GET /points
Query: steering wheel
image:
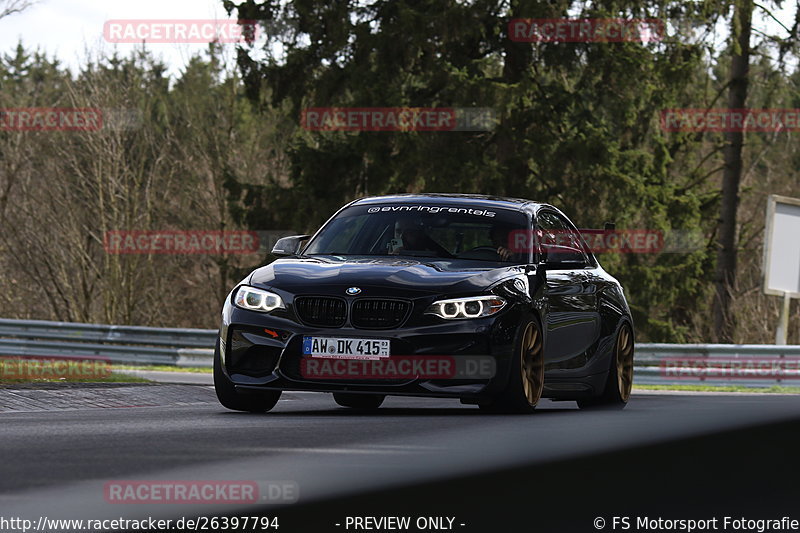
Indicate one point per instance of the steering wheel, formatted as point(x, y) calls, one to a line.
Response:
point(480, 251)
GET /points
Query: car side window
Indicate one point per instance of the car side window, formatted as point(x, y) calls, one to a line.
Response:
point(555, 230)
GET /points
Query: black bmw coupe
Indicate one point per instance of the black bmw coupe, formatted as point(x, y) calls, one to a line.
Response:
point(495, 301)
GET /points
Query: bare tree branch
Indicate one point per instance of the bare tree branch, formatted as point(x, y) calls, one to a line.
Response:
point(10, 7)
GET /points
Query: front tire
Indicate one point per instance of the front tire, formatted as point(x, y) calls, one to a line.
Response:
point(358, 401)
point(526, 381)
point(618, 387)
point(226, 392)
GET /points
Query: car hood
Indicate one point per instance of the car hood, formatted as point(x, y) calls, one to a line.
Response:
point(392, 276)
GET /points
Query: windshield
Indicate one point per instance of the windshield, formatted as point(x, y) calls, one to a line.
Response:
point(442, 232)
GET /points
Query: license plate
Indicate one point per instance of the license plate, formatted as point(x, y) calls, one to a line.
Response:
point(345, 348)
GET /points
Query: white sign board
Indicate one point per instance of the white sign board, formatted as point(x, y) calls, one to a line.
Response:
point(782, 247)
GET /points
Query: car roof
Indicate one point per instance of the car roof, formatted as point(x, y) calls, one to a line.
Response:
point(476, 200)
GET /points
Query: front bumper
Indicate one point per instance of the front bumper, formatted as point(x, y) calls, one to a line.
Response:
point(264, 352)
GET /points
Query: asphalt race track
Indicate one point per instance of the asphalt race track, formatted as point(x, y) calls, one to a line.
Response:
point(673, 455)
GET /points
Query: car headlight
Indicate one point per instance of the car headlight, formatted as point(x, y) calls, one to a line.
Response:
point(260, 300)
point(470, 307)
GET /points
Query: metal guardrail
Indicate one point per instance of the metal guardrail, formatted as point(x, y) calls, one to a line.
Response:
point(119, 344)
point(657, 364)
point(657, 352)
point(744, 365)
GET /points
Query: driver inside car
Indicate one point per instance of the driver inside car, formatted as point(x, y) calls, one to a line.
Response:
point(410, 235)
point(500, 240)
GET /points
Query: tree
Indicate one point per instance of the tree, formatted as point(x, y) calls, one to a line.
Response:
point(725, 279)
point(160, 161)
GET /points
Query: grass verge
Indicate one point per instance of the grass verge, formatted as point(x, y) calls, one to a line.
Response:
point(165, 368)
point(35, 370)
point(113, 378)
point(775, 389)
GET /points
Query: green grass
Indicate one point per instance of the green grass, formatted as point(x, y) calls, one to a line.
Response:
point(165, 368)
point(113, 378)
point(16, 370)
point(775, 389)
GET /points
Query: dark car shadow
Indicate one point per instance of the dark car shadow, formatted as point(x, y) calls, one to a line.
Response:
point(345, 412)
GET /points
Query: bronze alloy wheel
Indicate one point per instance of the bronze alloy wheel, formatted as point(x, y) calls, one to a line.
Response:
point(526, 380)
point(532, 363)
point(618, 386)
point(624, 362)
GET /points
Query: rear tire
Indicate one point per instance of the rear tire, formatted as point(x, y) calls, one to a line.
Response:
point(226, 392)
point(617, 391)
point(358, 401)
point(526, 380)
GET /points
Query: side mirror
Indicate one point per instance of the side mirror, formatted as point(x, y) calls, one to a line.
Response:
point(289, 245)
